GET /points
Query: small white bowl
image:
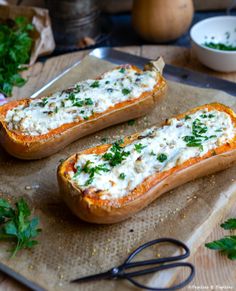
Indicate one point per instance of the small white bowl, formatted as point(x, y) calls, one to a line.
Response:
point(220, 29)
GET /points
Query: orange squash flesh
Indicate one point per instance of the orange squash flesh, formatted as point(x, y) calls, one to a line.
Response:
point(39, 146)
point(88, 206)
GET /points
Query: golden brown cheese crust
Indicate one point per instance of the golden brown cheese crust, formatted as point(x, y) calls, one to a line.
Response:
point(88, 206)
point(36, 147)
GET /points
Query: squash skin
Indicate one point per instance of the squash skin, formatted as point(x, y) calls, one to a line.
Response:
point(92, 209)
point(36, 147)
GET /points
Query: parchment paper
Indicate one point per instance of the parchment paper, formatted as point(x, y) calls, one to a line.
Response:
point(43, 37)
point(70, 248)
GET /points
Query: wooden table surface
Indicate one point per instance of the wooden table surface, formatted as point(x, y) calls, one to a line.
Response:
point(213, 270)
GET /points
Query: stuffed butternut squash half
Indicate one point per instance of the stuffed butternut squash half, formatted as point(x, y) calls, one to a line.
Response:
point(109, 183)
point(36, 128)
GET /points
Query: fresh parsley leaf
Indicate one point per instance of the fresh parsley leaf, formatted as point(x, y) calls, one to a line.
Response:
point(107, 82)
point(161, 158)
point(88, 101)
point(126, 91)
point(15, 49)
point(16, 225)
point(86, 117)
point(91, 170)
point(43, 102)
point(210, 115)
point(138, 147)
point(131, 122)
point(78, 172)
point(116, 154)
point(78, 103)
point(71, 97)
point(198, 128)
point(152, 153)
point(122, 176)
point(226, 244)
point(122, 70)
point(229, 224)
point(95, 84)
point(77, 89)
point(187, 117)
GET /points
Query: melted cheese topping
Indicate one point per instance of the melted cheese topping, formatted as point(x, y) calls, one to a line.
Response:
point(155, 150)
point(40, 116)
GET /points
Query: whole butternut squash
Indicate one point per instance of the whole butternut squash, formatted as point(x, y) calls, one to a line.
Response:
point(162, 20)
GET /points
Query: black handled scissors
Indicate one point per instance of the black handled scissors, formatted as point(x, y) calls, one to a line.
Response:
point(119, 272)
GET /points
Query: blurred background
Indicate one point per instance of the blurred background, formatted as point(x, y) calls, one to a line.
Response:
point(80, 24)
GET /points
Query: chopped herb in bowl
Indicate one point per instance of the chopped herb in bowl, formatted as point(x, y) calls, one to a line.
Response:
point(220, 46)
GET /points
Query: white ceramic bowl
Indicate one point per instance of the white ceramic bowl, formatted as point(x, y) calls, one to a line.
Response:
point(220, 29)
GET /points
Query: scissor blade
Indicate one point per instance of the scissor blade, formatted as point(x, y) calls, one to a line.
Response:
point(99, 276)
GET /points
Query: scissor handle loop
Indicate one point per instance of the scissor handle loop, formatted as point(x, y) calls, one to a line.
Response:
point(127, 264)
point(182, 284)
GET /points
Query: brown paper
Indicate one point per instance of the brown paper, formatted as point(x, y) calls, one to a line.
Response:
point(70, 248)
point(43, 37)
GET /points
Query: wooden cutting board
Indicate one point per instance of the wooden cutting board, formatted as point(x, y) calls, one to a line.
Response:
point(222, 204)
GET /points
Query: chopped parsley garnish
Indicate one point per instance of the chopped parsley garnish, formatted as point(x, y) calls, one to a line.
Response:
point(131, 122)
point(44, 102)
point(138, 147)
point(95, 84)
point(77, 89)
point(88, 101)
point(56, 110)
point(220, 46)
point(187, 117)
point(91, 171)
point(116, 154)
point(192, 141)
point(107, 82)
point(152, 153)
point(122, 70)
point(122, 176)
point(71, 97)
point(162, 157)
point(86, 117)
point(218, 130)
point(207, 116)
point(78, 103)
point(78, 172)
point(198, 128)
point(126, 91)
point(196, 139)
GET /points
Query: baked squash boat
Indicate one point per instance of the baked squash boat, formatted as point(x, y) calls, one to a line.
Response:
point(36, 128)
point(110, 182)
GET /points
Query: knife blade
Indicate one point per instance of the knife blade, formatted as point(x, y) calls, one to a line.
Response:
point(171, 72)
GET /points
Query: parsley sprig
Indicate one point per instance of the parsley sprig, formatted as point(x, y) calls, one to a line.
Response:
point(15, 48)
point(227, 244)
point(17, 226)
